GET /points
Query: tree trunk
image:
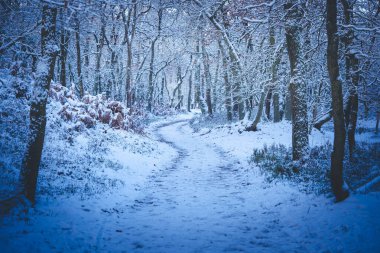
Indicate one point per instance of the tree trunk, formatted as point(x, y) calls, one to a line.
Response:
point(161, 98)
point(253, 126)
point(208, 101)
point(150, 77)
point(288, 106)
point(129, 33)
point(128, 94)
point(337, 103)
point(227, 84)
point(198, 95)
point(216, 89)
point(190, 91)
point(179, 80)
point(352, 76)
point(207, 74)
point(99, 49)
point(45, 71)
point(238, 103)
point(276, 97)
point(300, 133)
point(63, 52)
point(276, 107)
point(268, 100)
point(151, 65)
point(79, 62)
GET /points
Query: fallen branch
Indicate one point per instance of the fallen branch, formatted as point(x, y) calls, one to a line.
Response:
point(322, 120)
point(365, 188)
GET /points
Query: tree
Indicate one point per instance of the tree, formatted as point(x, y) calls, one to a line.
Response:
point(45, 71)
point(130, 22)
point(227, 85)
point(337, 103)
point(253, 126)
point(63, 49)
point(189, 101)
point(300, 135)
point(79, 59)
point(352, 75)
point(236, 68)
point(152, 58)
point(207, 74)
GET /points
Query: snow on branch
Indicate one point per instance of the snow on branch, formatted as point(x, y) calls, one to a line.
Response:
point(259, 21)
point(18, 38)
point(270, 4)
point(363, 29)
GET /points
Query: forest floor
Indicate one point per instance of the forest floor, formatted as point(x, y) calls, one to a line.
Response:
point(180, 190)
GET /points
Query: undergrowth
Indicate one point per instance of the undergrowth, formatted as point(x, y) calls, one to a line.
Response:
point(312, 175)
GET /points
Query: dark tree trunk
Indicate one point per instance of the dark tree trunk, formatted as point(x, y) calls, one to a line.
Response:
point(128, 96)
point(161, 99)
point(207, 75)
point(300, 133)
point(227, 85)
point(190, 91)
point(198, 81)
point(45, 71)
point(150, 77)
point(129, 33)
point(208, 101)
point(352, 76)
point(151, 65)
point(179, 80)
point(216, 89)
point(197, 92)
point(79, 61)
point(268, 100)
point(337, 103)
point(63, 52)
point(276, 108)
point(99, 49)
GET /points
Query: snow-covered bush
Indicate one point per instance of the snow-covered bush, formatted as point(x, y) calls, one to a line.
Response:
point(275, 162)
point(166, 110)
point(91, 110)
point(217, 120)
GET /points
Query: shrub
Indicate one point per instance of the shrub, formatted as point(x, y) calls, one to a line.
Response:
point(313, 174)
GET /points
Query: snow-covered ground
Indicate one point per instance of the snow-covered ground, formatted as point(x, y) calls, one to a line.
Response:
point(176, 190)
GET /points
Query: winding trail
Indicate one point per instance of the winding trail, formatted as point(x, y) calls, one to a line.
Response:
point(202, 203)
point(208, 201)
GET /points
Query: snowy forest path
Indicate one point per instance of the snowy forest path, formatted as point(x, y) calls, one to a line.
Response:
point(201, 203)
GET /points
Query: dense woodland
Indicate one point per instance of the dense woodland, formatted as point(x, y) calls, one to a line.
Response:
point(308, 62)
point(189, 125)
